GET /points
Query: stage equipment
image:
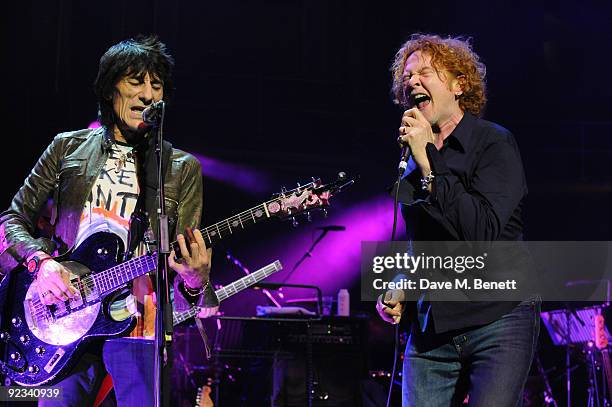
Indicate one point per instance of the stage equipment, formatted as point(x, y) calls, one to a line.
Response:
point(296, 361)
point(579, 327)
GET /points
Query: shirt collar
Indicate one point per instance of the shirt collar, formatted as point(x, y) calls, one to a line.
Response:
point(462, 134)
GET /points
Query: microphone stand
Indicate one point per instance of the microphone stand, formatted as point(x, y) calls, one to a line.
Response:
point(163, 316)
point(309, 368)
point(307, 254)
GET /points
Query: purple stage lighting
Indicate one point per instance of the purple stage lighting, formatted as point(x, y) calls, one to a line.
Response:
point(335, 261)
point(237, 175)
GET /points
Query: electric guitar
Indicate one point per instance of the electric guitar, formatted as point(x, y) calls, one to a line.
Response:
point(601, 343)
point(203, 398)
point(39, 344)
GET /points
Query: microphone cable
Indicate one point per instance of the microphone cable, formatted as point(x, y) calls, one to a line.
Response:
point(395, 357)
point(396, 330)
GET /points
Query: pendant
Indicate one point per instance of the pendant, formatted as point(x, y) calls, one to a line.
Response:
point(121, 161)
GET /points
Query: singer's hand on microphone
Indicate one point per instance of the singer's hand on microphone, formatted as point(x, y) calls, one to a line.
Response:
point(416, 132)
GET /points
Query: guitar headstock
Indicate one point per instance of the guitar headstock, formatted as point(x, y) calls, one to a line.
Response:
point(203, 397)
point(306, 198)
point(601, 340)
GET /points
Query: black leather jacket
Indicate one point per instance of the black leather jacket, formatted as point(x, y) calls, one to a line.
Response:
point(65, 173)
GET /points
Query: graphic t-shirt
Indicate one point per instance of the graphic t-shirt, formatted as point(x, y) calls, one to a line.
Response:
point(113, 197)
point(108, 208)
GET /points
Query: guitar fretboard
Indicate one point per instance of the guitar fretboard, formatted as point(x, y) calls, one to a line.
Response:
point(109, 280)
point(115, 277)
point(229, 290)
point(214, 233)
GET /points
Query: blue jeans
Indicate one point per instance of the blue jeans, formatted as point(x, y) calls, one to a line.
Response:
point(130, 363)
point(489, 363)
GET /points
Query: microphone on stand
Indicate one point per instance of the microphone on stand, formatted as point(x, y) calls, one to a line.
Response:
point(153, 112)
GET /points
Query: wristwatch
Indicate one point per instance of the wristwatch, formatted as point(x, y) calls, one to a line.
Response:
point(34, 264)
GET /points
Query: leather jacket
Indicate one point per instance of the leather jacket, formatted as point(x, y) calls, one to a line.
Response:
point(65, 173)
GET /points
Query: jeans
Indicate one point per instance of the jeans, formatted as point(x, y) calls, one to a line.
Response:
point(130, 363)
point(489, 363)
point(81, 386)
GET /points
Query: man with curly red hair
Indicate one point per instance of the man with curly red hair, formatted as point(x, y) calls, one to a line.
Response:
point(464, 182)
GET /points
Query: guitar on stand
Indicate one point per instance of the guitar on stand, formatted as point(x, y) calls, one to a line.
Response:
point(601, 343)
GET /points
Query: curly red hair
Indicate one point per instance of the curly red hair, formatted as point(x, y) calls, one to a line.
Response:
point(453, 54)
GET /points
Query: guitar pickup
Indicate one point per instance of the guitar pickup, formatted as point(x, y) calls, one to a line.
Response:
point(86, 288)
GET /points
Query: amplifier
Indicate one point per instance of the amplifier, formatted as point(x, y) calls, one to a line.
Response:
point(283, 357)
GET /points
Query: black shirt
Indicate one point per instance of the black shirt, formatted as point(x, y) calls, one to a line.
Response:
point(477, 195)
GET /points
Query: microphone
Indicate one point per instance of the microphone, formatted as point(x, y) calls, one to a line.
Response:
point(152, 114)
point(403, 164)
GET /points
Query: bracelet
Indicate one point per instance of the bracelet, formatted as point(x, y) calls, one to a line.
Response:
point(194, 292)
point(427, 179)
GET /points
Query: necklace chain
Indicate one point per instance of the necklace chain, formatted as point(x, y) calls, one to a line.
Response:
point(121, 161)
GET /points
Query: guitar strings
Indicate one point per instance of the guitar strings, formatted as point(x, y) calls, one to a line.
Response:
point(103, 281)
point(107, 280)
point(222, 293)
point(249, 214)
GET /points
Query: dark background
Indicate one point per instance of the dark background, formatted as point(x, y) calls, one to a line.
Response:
point(294, 89)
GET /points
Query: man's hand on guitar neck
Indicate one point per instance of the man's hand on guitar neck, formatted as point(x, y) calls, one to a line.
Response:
point(53, 280)
point(194, 264)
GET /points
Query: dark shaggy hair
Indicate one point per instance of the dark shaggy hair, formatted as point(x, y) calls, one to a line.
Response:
point(455, 55)
point(136, 55)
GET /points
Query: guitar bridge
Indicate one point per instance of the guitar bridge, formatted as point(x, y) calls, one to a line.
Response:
point(35, 312)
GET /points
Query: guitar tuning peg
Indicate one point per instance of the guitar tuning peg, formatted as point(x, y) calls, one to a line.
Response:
point(325, 213)
point(298, 186)
point(341, 175)
point(294, 222)
point(309, 216)
point(283, 190)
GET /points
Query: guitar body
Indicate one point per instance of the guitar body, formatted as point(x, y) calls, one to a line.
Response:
point(39, 344)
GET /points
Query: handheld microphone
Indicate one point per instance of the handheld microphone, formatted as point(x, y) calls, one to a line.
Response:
point(403, 164)
point(333, 228)
point(152, 114)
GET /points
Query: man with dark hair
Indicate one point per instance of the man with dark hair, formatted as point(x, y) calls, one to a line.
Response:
point(99, 179)
point(464, 182)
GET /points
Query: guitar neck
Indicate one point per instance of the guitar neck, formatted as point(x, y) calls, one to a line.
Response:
point(220, 230)
point(109, 280)
point(229, 290)
point(115, 277)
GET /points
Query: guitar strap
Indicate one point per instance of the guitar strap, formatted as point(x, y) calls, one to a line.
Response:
point(200, 326)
